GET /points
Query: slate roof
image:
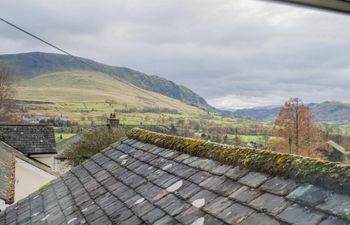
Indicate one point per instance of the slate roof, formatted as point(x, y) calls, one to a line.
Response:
point(138, 182)
point(7, 172)
point(29, 138)
point(338, 147)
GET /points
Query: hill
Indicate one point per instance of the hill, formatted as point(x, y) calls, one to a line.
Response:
point(328, 111)
point(77, 86)
point(332, 111)
point(29, 65)
point(264, 113)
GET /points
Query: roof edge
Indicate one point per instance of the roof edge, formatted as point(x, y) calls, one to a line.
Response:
point(330, 5)
point(11, 192)
point(36, 163)
point(330, 175)
point(28, 125)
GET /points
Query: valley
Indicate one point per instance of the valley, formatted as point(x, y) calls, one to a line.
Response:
point(53, 87)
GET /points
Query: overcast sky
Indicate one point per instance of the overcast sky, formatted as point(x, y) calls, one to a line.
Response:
point(234, 53)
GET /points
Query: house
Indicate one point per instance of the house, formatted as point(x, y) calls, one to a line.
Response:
point(36, 141)
point(152, 178)
point(20, 175)
point(334, 152)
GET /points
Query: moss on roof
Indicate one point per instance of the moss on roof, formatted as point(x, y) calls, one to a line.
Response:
point(334, 176)
point(44, 187)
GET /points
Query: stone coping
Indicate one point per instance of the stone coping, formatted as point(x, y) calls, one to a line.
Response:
point(330, 175)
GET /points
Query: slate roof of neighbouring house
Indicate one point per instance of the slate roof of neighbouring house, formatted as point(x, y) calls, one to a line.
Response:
point(338, 147)
point(151, 178)
point(7, 172)
point(29, 138)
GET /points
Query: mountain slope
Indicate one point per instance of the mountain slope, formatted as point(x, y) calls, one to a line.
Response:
point(329, 111)
point(267, 113)
point(84, 87)
point(27, 65)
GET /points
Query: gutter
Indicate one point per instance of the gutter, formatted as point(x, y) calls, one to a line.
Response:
point(341, 6)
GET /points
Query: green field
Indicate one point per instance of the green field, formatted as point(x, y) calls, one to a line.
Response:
point(260, 139)
point(64, 135)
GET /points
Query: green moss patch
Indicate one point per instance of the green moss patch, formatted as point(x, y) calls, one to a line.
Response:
point(45, 187)
point(334, 176)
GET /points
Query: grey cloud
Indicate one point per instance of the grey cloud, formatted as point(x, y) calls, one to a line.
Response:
point(246, 49)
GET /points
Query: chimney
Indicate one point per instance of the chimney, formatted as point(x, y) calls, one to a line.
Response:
point(112, 121)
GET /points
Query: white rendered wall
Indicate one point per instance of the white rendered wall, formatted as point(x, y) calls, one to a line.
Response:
point(47, 159)
point(29, 179)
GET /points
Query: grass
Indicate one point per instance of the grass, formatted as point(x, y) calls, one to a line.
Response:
point(64, 135)
point(76, 92)
point(260, 139)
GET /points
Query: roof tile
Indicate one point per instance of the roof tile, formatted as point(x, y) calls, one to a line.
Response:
point(212, 182)
point(279, 186)
point(254, 179)
point(235, 214)
point(199, 177)
point(333, 221)
point(260, 219)
point(296, 214)
point(236, 173)
point(270, 203)
point(189, 189)
point(220, 169)
point(309, 195)
point(245, 194)
point(181, 157)
point(226, 188)
point(217, 205)
point(166, 220)
point(190, 215)
point(337, 204)
point(206, 195)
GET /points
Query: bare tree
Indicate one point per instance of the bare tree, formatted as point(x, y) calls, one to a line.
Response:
point(296, 130)
point(7, 93)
